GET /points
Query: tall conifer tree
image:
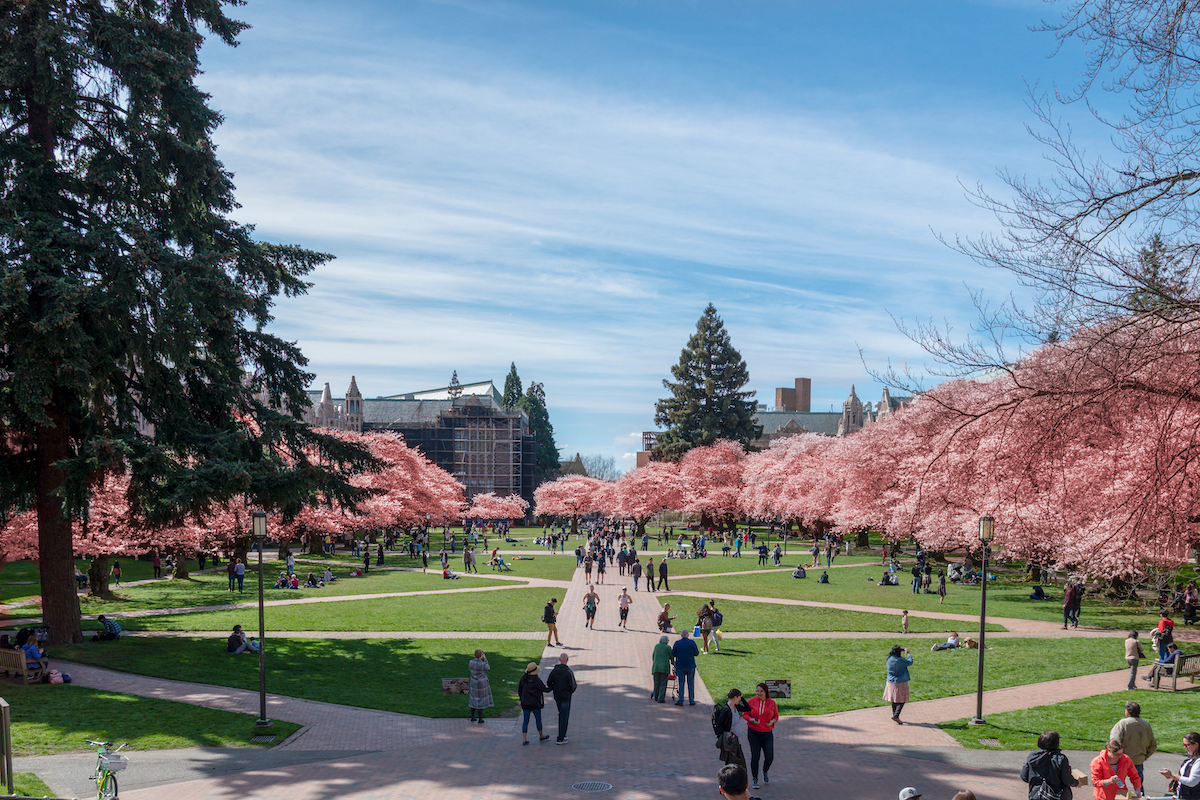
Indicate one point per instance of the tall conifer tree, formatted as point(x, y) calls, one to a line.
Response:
point(707, 402)
point(534, 403)
point(132, 308)
point(512, 387)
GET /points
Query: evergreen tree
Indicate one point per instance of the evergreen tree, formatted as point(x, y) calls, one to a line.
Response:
point(455, 388)
point(512, 387)
point(132, 308)
point(534, 403)
point(1161, 280)
point(707, 402)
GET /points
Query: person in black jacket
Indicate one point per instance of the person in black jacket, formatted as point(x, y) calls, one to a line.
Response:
point(530, 689)
point(1048, 765)
point(728, 743)
point(562, 684)
point(662, 575)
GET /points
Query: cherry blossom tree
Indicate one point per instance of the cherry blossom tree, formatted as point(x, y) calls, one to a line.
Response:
point(646, 491)
point(491, 506)
point(711, 481)
point(571, 496)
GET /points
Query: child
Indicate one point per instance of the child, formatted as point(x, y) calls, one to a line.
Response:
point(904, 622)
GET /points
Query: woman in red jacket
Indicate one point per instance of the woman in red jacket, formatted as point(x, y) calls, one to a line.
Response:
point(1112, 772)
point(760, 732)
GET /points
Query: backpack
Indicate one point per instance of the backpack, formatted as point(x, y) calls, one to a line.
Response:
point(55, 676)
point(716, 718)
point(718, 618)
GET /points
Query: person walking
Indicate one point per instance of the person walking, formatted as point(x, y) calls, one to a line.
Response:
point(1133, 654)
point(704, 621)
point(941, 590)
point(1136, 737)
point(600, 569)
point(662, 575)
point(896, 689)
point(231, 574)
point(239, 571)
point(562, 685)
point(1112, 771)
point(760, 723)
point(728, 722)
point(291, 564)
point(660, 668)
point(479, 694)
point(1188, 777)
point(684, 653)
point(624, 602)
point(532, 692)
point(1047, 765)
point(650, 574)
point(551, 619)
point(636, 571)
point(1166, 633)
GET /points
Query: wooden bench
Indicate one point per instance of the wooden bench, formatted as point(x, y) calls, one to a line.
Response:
point(12, 662)
point(1186, 666)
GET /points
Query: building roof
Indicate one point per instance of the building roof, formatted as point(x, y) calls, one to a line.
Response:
point(486, 388)
point(825, 422)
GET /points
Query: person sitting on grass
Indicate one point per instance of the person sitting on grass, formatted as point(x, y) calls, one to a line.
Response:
point(312, 582)
point(238, 643)
point(110, 632)
point(281, 582)
point(824, 577)
point(294, 583)
point(448, 575)
point(329, 576)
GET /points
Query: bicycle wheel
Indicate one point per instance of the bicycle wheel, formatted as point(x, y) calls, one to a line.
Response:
point(108, 787)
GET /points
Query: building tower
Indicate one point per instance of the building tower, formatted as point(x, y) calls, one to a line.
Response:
point(352, 419)
point(852, 415)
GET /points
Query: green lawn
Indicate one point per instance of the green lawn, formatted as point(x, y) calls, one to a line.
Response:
point(401, 675)
point(857, 585)
point(28, 784)
point(1083, 724)
point(516, 609)
point(56, 719)
point(857, 681)
point(746, 616)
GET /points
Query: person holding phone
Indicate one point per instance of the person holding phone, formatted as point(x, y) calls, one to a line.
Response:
point(896, 689)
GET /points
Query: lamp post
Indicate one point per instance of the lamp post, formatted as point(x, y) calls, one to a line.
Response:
point(987, 529)
point(262, 724)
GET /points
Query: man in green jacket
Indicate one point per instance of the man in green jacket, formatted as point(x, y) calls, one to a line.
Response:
point(661, 668)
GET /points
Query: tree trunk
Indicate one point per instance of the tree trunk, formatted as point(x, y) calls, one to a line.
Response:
point(862, 539)
point(98, 577)
point(56, 551)
point(574, 524)
point(180, 571)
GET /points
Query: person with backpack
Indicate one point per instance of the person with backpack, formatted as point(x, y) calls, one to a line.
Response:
point(727, 722)
point(551, 620)
point(704, 622)
point(1166, 634)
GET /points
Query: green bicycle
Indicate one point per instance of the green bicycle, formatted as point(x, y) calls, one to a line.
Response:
point(108, 763)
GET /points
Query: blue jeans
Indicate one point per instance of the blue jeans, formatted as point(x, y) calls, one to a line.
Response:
point(241, 579)
point(686, 676)
point(537, 715)
point(564, 716)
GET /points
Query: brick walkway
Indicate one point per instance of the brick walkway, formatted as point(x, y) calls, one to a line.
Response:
point(617, 735)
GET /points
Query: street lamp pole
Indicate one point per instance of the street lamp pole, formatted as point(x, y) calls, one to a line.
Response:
point(262, 724)
point(987, 529)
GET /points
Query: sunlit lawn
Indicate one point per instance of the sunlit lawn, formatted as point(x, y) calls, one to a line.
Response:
point(1083, 724)
point(746, 616)
point(857, 585)
point(843, 674)
point(515, 609)
point(403, 675)
point(57, 718)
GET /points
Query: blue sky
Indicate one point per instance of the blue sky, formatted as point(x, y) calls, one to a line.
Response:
point(567, 185)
